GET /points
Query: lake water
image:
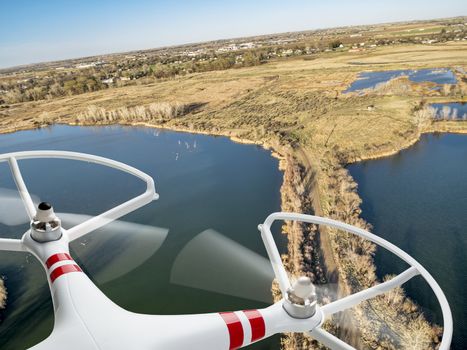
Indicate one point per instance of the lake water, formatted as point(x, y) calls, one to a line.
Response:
point(369, 80)
point(417, 200)
point(453, 110)
point(204, 182)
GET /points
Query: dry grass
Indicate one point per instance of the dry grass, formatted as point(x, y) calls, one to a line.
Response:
point(159, 112)
point(3, 294)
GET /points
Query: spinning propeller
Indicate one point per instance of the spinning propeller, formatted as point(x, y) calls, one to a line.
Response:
point(215, 263)
point(86, 319)
point(127, 244)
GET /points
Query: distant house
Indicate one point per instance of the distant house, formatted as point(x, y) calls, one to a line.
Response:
point(108, 81)
point(89, 65)
point(247, 45)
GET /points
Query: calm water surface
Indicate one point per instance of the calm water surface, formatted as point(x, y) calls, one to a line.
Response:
point(417, 200)
point(367, 80)
point(204, 183)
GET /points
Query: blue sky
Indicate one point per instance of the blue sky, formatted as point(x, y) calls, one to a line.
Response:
point(36, 31)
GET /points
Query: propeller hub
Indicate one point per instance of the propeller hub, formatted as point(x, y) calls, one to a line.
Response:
point(300, 299)
point(45, 226)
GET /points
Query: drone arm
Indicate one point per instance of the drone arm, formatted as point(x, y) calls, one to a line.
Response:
point(278, 321)
point(354, 299)
point(232, 330)
point(15, 245)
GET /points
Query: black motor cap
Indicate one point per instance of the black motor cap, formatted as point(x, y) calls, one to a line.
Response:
point(44, 206)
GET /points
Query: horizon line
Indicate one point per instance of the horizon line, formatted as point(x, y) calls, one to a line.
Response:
point(220, 39)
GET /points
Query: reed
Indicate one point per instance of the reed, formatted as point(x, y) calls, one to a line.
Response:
point(156, 111)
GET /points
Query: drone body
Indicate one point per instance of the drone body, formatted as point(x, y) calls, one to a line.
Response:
point(86, 319)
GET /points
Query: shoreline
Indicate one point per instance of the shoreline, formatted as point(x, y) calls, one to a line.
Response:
point(411, 143)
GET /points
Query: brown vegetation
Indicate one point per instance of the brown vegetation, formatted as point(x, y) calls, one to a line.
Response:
point(158, 112)
point(3, 294)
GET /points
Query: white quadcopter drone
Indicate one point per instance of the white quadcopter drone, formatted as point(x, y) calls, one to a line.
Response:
point(86, 319)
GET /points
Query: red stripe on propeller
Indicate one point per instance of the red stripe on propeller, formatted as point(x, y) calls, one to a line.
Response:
point(56, 258)
point(62, 270)
point(235, 329)
point(258, 327)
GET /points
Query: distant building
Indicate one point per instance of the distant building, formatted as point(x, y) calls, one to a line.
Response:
point(108, 81)
point(247, 45)
point(89, 65)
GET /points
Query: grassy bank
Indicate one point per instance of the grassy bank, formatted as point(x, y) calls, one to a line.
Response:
point(3, 294)
point(297, 109)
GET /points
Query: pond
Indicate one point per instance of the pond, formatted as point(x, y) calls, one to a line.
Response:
point(369, 80)
point(417, 200)
point(206, 184)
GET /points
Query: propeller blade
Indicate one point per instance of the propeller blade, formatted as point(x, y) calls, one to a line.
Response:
point(12, 210)
point(215, 263)
point(116, 249)
point(241, 272)
point(126, 245)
